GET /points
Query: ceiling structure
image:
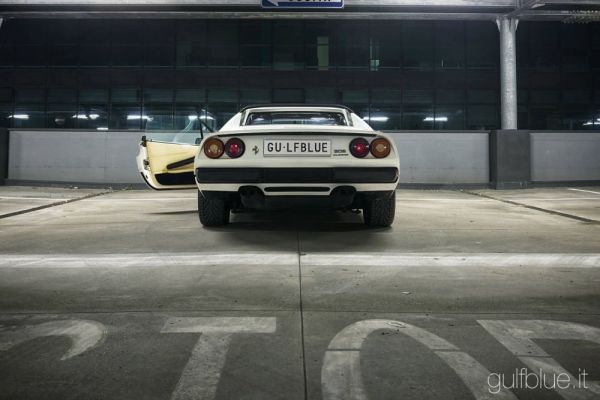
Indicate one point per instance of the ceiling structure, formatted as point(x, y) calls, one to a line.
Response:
point(575, 11)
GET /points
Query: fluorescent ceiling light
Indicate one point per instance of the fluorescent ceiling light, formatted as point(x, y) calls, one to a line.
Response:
point(19, 116)
point(381, 118)
point(436, 119)
point(102, 128)
point(80, 116)
point(136, 116)
point(204, 117)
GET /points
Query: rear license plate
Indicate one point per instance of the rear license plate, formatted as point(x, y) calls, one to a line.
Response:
point(297, 147)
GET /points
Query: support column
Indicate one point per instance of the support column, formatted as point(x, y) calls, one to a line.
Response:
point(3, 155)
point(508, 71)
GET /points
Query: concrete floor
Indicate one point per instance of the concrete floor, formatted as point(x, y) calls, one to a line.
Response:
point(125, 296)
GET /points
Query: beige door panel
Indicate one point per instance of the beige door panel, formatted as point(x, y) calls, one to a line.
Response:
point(171, 157)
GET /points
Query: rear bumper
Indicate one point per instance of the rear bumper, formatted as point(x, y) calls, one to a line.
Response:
point(297, 175)
point(252, 197)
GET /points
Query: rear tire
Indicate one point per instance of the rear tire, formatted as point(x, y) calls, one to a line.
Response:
point(380, 211)
point(212, 212)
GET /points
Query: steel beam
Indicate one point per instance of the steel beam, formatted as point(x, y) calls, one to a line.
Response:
point(508, 71)
point(252, 15)
point(237, 3)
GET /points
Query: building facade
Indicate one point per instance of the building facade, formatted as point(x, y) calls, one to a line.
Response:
point(410, 67)
point(398, 75)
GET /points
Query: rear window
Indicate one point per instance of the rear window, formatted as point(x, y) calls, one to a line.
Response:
point(296, 118)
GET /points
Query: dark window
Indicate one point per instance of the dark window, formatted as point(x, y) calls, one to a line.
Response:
point(450, 50)
point(418, 117)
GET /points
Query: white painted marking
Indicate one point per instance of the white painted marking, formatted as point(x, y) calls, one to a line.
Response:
point(84, 335)
point(138, 199)
point(202, 372)
point(518, 337)
point(143, 260)
point(591, 260)
point(341, 376)
point(521, 199)
point(583, 190)
point(35, 198)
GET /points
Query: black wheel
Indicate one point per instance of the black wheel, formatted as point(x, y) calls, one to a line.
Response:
point(380, 211)
point(212, 212)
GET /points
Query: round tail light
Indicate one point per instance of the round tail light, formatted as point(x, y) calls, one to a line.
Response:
point(214, 148)
point(359, 147)
point(380, 148)
point(234, 148)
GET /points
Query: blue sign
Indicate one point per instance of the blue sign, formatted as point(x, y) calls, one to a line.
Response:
point(302, 3)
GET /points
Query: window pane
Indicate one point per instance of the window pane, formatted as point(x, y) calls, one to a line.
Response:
point(288, 58)
point(255, 56)
point(28, 116)
point(124, 56)
point(219, 114)
point(191, 31)
point(482, 96)
point(125, 116)
point(194, 96)
point(449, 117)
point(92, 116)
point(255, 96)
point(354, 57)
point(481, 117)
point(93, 95)
point(94, 55)
point(63, 55)
point(386, 96)
point(191, 54)
point(222, 33)
point(158, 95)
point(223, 56)
point(576, 119)
point(61, 116)
point(126, 95)
point(417, 96)
point(418, 45)
point(544, 117)
point(450, 46)
point(417, 117)
point(255, 32)
point(6, 114)
point(482, 45)
point(157, 117)
point(29, 96)
point(159, 55)
point(450, 96)
point(187, 116)
point(30, 56)
point(385, 118)
point(288, 95)
point(321, 95)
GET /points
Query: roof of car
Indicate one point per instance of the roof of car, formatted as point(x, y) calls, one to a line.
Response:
point(296, 105)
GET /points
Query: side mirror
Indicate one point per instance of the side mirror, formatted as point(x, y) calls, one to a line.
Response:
point(198, 140)
point(144, 140)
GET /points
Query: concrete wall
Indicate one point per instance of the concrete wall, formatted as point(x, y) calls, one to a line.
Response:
point(74, 156)
point(109, 157)
point(565, 156)
point(426, 157)
point(443, 157)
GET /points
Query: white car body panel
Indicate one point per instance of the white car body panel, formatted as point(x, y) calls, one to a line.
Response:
point(253, 137)
point(340, 136)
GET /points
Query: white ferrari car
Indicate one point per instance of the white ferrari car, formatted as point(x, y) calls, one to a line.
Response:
point(273, 157)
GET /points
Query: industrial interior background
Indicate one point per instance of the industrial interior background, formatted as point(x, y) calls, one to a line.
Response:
point(475, 92)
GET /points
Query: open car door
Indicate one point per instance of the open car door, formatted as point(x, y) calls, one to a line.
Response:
point(167, 163)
